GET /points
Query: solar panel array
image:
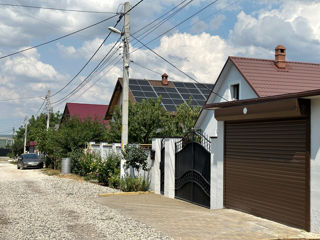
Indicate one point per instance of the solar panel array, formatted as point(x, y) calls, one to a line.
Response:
point(172, 97)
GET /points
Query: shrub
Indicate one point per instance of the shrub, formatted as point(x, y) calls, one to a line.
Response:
point(88, 164)
point(135, 157)
point(108, 170)
point(134, 184)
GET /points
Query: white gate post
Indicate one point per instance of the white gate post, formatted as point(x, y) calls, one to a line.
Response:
point(169, 166)
point(155, 167)
point(216, 180)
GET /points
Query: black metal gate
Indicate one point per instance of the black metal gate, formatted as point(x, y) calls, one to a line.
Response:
point(162, 168)
point(192, 169)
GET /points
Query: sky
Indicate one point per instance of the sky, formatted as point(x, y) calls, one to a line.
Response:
point(198, 43)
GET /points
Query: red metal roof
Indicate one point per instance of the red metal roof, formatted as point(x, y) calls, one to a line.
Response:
point(85, 111)
point(268, 80)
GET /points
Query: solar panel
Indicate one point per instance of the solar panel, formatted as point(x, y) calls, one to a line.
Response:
point(171, 90)
point(164, 95)
point(143, 82)
point(146, 88)
point(183, 90)
point(171, 108)
point(134, 87)
point(150, 94)
point(171, 96)
point(167, 101)
point(189, 85)
point(133, 81)
point(137, 93)
point(194, 91)
point(174, 95)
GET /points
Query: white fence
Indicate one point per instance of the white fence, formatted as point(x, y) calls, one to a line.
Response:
point(103, 149)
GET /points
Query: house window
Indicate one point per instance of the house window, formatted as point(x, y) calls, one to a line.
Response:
point(235, 92)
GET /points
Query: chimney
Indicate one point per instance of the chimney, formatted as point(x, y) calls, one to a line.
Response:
point(280, 56)
point(164, 80)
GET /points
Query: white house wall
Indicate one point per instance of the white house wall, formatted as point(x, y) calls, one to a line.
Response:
point(230, 76)
point(315, 165)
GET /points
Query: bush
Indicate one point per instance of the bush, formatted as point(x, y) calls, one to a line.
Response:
point(108, 170)
point(88, 165)
point(134, 184)
point(135, 157)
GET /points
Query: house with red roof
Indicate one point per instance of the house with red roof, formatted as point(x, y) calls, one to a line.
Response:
point(85, 111)
point(263, 117)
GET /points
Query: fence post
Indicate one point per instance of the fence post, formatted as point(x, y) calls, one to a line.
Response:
point(155, 166)
point(169, 168)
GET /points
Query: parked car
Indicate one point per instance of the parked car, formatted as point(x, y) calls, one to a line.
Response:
point(29, 160)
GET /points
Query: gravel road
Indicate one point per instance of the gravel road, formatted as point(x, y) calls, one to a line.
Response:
point(37, 206)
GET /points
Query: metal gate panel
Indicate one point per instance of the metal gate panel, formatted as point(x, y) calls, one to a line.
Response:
point(192, 174)
point(162, 168)
point(266, 169)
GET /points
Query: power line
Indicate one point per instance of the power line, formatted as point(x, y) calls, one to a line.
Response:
point(92, 72)
point(177, 67)
point(40, 107)
point(188, 18)
point(99, 64)
point(51, 8)
point(56, 39)
point(83, 67)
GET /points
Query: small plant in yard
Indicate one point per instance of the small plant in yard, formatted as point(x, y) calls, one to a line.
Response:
point(135, 157)
point(108, 170)
point(87, 165)
point(134, 184)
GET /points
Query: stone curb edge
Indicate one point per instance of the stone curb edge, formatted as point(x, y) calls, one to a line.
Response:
point(123, 193)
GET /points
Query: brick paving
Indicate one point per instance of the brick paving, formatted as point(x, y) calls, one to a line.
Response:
point(182, 220)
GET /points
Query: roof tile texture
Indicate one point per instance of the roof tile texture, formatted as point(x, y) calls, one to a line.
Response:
point(85, 111)
point(268, 80)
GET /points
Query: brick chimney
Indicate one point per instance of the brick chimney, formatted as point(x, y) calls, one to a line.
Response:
point(280, 56)
point(164, 80)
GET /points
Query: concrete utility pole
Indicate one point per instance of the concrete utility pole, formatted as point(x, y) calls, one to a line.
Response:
point(48, 109)
point(25, 134)
point(125, 91)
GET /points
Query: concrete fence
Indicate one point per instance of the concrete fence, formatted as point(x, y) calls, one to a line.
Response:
point(104, 149)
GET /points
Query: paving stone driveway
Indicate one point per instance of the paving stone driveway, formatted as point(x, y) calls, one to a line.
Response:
point(182, 220)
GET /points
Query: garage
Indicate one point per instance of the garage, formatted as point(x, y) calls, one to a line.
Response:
point(266, 162)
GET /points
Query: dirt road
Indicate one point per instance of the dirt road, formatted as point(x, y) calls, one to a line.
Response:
point(36, 206)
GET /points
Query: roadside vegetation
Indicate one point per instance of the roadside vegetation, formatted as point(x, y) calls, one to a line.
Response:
point(147, 120)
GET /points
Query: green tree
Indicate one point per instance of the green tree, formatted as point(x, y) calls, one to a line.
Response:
point(149, 119)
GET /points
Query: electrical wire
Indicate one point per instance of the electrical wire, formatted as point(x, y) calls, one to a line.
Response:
point(168, 16)
point(175, 26)
point(41, 107)
point(83, 67)
point(51, 8)
point(56, 39)
point(99, 64)
point(92, 72)
point(178, 68)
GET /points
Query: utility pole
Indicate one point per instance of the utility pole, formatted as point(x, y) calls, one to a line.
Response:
point(25, 134)
point(125, 92)
point(48, 109)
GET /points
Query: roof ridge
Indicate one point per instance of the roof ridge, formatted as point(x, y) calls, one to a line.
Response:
point(88, 104)
point(270, 60)
point(171, 81)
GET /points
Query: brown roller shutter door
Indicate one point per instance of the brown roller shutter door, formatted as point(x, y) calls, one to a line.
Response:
point(266, 171)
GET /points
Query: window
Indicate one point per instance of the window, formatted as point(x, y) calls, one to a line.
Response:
point(235, 92)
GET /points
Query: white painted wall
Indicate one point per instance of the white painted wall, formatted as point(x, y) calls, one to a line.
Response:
point(216, 186)
point(169, 166)
point(230, 76)
point(155, 166)
point(315, 165)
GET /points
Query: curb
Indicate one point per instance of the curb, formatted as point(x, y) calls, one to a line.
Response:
point(123, 194)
